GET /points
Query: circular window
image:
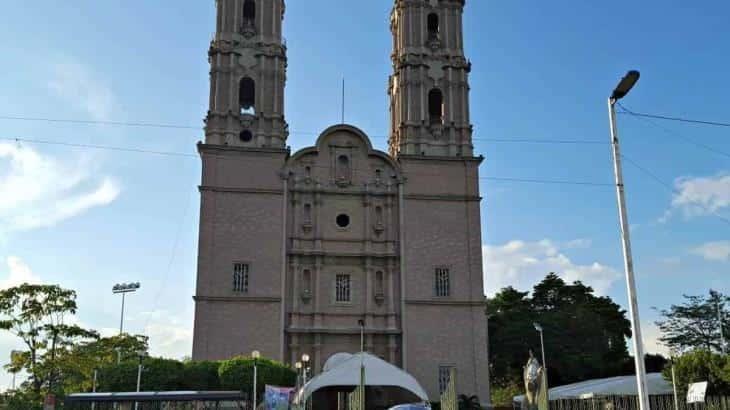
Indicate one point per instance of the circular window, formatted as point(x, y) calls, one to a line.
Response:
point(246, 136)
point(343, 220)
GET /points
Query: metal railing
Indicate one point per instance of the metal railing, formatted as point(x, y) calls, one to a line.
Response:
point(663, 402)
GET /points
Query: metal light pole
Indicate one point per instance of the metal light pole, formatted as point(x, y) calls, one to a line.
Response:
point(619, 92)
point(298, 366)
point(674, 382)
point(361, 323)
point(141, 354)
point(542, 347)
point(255, 355)
point(124, 288)
point(305, 365)
point(719, 319)
point(93, 390)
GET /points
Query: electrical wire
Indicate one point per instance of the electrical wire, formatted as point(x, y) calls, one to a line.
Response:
point(190, 155)
point(309, 133)
point(681, 137)
point(679, 119)
point(664, 184)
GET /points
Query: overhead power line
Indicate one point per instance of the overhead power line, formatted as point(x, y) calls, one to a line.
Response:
point(294, 132)
point(92, 122)
point(677, 135)
point(191, 155)
point(679, 119)
point(664, 184)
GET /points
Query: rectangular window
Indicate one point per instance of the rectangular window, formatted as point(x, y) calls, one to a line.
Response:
point(444, 377)
point(442, 286)
point(342, 288)
point(240, 277)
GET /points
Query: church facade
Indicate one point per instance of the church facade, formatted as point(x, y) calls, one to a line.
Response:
point(298, 250)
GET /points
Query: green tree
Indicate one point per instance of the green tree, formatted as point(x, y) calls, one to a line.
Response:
point(201, 376)
point(469, 402)
point(38, 315)
point(77, 364)
point(701, 366)
point(584, 333)
point(695, 324)
point(237, 374)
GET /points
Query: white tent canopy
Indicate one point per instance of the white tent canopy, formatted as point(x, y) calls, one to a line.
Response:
point(342, 370)
point(612, 386)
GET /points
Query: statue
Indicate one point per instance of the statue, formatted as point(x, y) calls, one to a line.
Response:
point(535, 385)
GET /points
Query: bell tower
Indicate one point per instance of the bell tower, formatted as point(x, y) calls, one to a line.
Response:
point(429, 87)
point(247, 75)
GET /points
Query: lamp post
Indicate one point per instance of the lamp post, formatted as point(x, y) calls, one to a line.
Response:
point(255, 355)
point(621, 90)
point(719, 319)
point(674, 380)
point(298, 366)
point(124, 288)
point(305, 365)
point(141, 355)
point(542, 347)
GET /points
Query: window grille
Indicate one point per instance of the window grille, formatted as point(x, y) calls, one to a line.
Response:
point(240, 277)
point(442, 285)
point(342, 288)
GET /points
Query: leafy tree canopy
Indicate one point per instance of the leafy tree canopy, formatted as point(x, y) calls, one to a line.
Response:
point(39, 316)
point(584, 334)
point(695, 324)
point(701, 366)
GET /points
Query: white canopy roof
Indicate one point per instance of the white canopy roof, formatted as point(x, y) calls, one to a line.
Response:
point(345, 371)
point(612, 386)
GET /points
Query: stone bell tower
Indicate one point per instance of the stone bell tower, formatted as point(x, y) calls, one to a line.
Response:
point(429, 87)
point(247, 75)
point(239, 296)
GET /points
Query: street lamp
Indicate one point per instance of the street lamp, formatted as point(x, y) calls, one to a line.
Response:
point(124, 288)
point(141, 354)
point(719, 319)
point(542, 347)
point(621, 90)
point(305, 365)
point(672, 355)
point(255, 355)
point(298, 366)
point(361, 323)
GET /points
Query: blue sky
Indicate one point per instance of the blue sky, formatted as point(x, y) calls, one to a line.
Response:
point(87, 218)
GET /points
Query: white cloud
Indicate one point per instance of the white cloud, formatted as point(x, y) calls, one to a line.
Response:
point(651, 333)
point(18, 273)
point(170, 335)
point(522, 264)
point(714, 251)
point(39, 191)
point(698, 196)
point(74, 83)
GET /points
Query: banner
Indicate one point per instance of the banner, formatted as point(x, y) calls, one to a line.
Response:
point(448, 397)
point(696, 392)
point(278, 398)
point(357, 397)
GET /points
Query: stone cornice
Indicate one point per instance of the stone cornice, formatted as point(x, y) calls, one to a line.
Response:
point(232, 150)
point(453, 198)
point(238, 299)
point(209, 188)
point(409, 157)
point(342, 331)
point(446, 302)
